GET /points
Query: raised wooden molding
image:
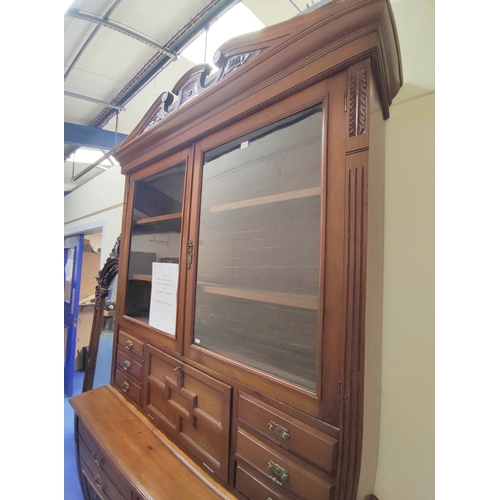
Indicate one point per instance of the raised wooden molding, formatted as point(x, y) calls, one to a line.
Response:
point(356, 219)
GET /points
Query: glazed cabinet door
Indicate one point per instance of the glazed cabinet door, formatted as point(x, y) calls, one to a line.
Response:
point(258, 229)
point(153, 273)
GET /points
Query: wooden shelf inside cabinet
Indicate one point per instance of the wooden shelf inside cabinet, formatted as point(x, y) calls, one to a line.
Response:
point(142, 277)
point(263, 200)
point(147, 220)
point(270, 297)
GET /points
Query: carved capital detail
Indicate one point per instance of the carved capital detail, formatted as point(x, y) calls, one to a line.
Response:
point(358, 102)
point(194, 83)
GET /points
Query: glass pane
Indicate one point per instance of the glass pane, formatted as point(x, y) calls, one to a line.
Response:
point(258, 256)
point(155, 238)
point(69, 254)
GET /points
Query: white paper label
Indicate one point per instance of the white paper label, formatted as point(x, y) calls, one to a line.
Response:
point(163, 305)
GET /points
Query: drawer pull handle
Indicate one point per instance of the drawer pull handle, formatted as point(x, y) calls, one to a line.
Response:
point(129, 344)
point(276, 470)
point(97, 460)
point(98, 482)
point(125, 386)
point(126, 365)
point(282, 432)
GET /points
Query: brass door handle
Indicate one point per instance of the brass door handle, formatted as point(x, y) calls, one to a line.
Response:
point(97, 460)
point(126, 365)
point(276, 470)
point(128, 345)
point(98, 482)
point(281, 431)
point(125, 386)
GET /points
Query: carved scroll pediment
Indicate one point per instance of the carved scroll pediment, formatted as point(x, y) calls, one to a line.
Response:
point(193, 83)
point(234, 62)
point(161, 110)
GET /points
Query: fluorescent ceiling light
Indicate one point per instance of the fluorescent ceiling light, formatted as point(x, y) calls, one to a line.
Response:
point(87, 155)
point(234, 22)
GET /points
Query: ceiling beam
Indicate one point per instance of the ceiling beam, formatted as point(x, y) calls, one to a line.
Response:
point(101, 21)
point(95, 101)
point(91, 137)
point(89, 39)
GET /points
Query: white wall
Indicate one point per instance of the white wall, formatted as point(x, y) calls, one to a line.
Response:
point(97, 206)
point(406, 454)
point(406, 462)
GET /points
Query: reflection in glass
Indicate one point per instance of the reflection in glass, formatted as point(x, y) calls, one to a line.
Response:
point(65, 341)
point(155, 236)
point(258, 257)
point(102, 374)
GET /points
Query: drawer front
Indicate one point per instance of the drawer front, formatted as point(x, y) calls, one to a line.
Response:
point(127, 386)
point(254, 489)
point(131, 344)
point(294, 436)
point(92, 453)
point(90, 491)
point(129, 363)
point(191, 407)
point(99, 481)
point(288, 474)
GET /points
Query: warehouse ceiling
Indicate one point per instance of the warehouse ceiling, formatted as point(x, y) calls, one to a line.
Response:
point(119, 55)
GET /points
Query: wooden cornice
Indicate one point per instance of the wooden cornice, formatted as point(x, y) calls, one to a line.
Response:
point(285, 58)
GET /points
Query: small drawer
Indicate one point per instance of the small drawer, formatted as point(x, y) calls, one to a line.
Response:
point(290, 475)
point(132, 344)
point(128, 386)
point(129, 363)
point(289, 433)
point(89, 487)
point(98, 479)
point(91, 452)
point(253, 488)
